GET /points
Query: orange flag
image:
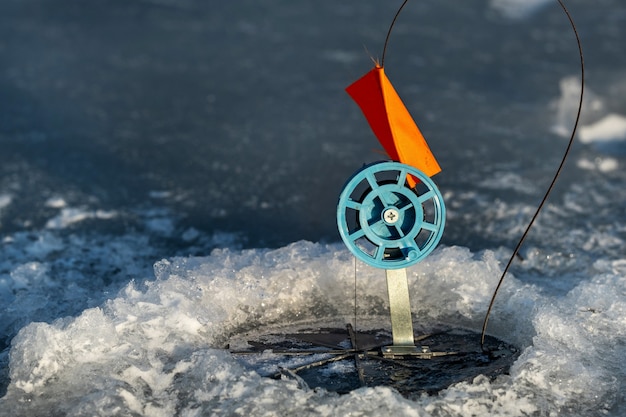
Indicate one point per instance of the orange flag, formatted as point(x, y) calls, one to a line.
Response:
point(391, 122)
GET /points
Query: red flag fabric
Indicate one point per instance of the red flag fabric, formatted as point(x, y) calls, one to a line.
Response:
point(391, 122)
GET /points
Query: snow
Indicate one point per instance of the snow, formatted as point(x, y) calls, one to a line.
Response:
point(56, 202)
point(69, 216)
point(518, 9)
point(610, 128)
point(141, 348)
point(5, 200)
point(600, 164)
point(567, 107)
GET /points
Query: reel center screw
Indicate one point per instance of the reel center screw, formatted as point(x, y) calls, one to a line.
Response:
point(391, 215)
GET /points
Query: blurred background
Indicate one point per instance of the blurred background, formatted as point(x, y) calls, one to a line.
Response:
point(232, 117)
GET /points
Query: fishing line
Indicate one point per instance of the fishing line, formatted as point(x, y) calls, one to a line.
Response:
point(355, 304)
point(554, 179)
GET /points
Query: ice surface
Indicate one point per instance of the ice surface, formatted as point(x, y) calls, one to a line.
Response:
point(69, 216)
point(56, 202)
point(518, 9)
point(5, 200)
point(611, 128)
point(602, 164)
point(567, 107)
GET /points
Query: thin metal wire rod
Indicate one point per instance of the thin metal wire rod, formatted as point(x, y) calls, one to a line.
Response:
point(554, 179)
point(313, 364)
point(357, 359)
point(296, 352)
point(355, 303)
point(393, 22)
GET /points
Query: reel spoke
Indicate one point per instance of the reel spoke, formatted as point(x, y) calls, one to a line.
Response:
point(355, 205)
point(356, 235)
point(378, 224)
point(430, 226)
point(371, 179)
point(426, 196)
point(402, 177)
point(380, 253)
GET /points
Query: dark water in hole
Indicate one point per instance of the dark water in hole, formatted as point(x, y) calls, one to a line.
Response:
point(412, 377)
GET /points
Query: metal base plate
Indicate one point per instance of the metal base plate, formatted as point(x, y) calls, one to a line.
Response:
point(328, 358)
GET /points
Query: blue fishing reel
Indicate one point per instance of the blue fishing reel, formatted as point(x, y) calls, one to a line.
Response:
point(386, 223)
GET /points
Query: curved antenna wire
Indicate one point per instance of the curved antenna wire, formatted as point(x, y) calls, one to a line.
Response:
point(556, 175)
point(393, 22)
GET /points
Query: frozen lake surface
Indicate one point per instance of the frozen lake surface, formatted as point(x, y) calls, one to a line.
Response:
point(169, 172)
